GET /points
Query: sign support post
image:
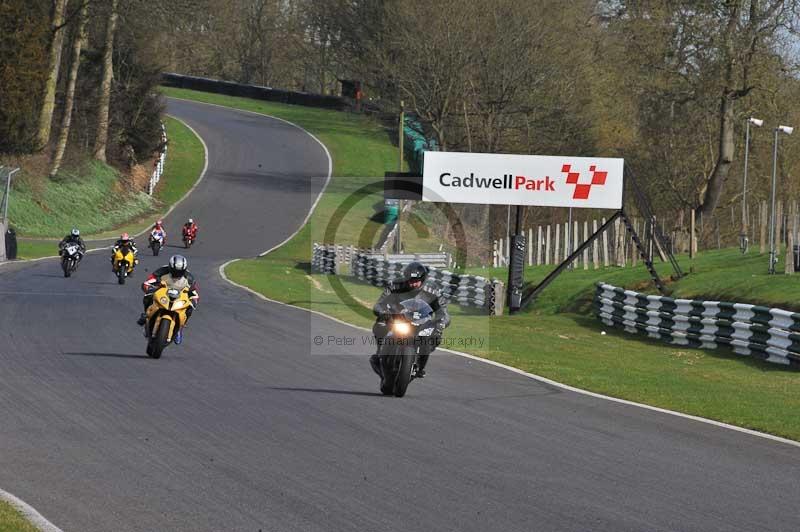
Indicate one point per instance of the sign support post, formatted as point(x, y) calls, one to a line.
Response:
point(516, 265)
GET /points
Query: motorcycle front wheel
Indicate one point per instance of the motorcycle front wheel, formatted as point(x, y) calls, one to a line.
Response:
point(66, 267)
point(402, 379)
point(158, 343)
point(121, 273)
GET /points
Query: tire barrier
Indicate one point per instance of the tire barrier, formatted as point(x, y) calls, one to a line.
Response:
point(768, 333)
point(464, 290)
point(254, 91)
point(323, 259)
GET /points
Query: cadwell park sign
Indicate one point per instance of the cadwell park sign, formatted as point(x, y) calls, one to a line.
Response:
point(541, 180)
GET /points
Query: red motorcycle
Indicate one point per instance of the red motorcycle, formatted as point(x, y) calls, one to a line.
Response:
point(189, 236)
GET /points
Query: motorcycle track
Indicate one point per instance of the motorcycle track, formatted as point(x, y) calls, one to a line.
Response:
point(243, 428)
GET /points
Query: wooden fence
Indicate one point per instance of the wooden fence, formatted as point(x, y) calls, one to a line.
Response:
point(550, 244)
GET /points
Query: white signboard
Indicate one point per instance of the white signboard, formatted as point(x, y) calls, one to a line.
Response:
point(543, 180)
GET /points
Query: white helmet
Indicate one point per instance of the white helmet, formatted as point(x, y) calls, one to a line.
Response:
point(178, 265)
point(75, 232)
point(190, 221)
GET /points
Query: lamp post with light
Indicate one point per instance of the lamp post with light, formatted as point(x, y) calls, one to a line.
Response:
point(772, 252)
point(743, 234)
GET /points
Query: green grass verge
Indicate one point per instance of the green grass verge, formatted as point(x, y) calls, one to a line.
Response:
point(86, 197)
point(12, 521)
point(184, 163)
point(558, 338)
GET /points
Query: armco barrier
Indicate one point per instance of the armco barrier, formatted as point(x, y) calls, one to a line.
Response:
point(464, 290)
point(253, 91)
point(767, 333)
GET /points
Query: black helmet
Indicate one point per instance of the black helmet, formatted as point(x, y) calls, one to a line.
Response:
point(415, 271)
point(178, 265)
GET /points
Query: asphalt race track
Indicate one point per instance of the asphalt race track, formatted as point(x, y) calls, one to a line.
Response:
point(242, 428)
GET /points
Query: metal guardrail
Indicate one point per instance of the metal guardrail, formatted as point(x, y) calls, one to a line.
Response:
point(763, 332)
point(440, 259)
point(257, 92)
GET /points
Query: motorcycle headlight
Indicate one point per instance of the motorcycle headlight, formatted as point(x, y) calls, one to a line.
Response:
point(401, 328)
point(173, 293)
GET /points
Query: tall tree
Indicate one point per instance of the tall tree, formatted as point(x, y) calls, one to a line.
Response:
point(746, 35)
point(104, 100)
point(75, 61)
point(54, 64)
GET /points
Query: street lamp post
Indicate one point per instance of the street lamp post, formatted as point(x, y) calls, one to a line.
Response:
point(772, 251)
point(743, 235)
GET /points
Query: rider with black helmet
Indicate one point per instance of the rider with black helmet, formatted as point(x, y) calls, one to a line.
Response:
point(411, 286)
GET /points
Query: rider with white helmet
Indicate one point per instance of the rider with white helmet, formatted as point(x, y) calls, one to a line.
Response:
point(74, 237)
point(176, 274)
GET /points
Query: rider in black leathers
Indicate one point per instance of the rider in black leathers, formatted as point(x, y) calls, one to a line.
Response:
point(412, 286)
point(74, 237)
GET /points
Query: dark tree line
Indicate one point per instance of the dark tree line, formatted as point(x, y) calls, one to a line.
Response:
point(78, 79)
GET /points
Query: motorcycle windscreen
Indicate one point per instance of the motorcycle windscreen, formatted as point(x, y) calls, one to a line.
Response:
point(416, 311)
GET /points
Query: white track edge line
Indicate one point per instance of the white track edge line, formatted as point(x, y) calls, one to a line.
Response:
point(186, 195)
point(518, 371)
point(29, 512)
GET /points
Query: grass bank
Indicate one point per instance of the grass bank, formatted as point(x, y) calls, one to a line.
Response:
point(91, 201)
point(558, 337)
point(12, 521)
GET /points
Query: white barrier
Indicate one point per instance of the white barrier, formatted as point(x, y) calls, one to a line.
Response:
point(159, 169)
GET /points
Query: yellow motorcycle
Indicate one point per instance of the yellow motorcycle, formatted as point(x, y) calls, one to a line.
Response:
point(165, 317)
point(123, 263)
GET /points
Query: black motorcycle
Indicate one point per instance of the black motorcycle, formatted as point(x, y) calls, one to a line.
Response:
point(70, 257)
point(411, 334)
point(156, 243)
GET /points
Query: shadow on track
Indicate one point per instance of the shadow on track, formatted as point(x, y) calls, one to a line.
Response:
point(112, 355)
point(322, 390)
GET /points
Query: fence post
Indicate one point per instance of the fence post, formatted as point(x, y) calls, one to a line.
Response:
point(530, 246)
point(557, 247)
point(789, 254)
point(539, 245)
point(595, 247)
point(619, 253)
point(547, 246)
point(586, 250)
